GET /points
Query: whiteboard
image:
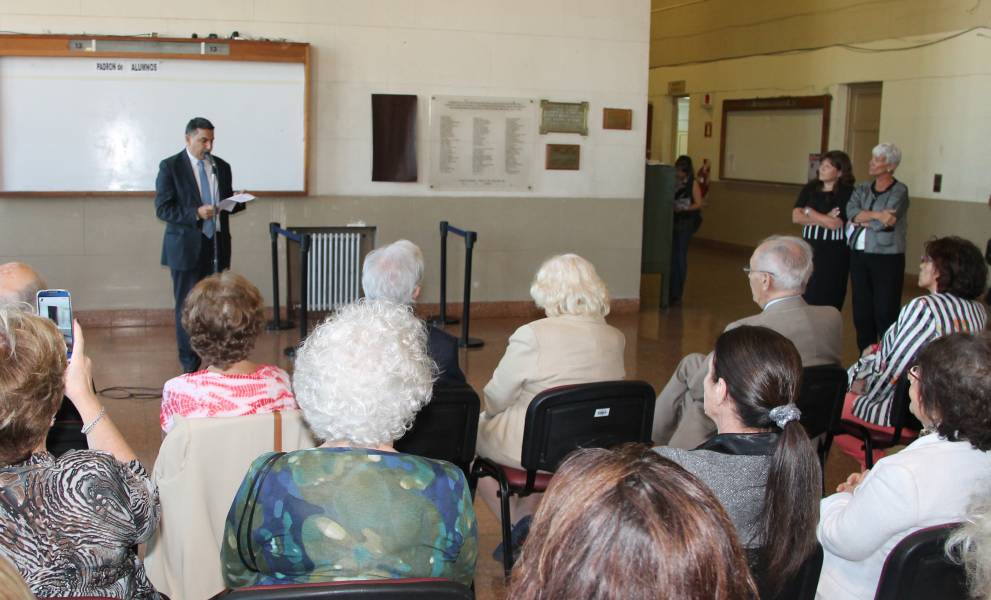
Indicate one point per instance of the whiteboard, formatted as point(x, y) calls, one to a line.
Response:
point(103, 124)
point(771, 145)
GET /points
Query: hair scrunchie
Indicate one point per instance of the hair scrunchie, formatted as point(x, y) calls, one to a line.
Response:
point(784, 414)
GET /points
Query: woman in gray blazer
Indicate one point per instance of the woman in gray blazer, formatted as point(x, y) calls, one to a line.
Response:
point(761, 464)
point(876, 231)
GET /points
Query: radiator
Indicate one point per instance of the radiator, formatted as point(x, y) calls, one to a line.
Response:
point(333, 270)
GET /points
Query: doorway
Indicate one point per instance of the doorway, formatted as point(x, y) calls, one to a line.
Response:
point(863, 124)
point(680, 143)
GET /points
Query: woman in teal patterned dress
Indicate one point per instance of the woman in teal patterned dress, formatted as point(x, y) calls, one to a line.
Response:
point(354, 508)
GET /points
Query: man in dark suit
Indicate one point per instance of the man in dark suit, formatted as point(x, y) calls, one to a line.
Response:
point(393, 273)
point(188, 187)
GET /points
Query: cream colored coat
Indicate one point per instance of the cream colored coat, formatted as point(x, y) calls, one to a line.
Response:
point(543, 354)
point(199, 468)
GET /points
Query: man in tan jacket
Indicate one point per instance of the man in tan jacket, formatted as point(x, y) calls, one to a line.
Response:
point(778, 271)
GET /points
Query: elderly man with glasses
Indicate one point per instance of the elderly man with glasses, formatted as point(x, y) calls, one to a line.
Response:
point(778, 271)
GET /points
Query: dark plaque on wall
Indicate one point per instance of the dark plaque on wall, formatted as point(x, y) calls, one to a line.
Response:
point(563, 117)
point(393, 137)
point(617, 118)
point(563, 157)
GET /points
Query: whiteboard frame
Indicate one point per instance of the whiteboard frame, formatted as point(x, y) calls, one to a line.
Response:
point(240, 50)
point(781, 103)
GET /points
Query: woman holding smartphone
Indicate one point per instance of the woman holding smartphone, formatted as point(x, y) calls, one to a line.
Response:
point(71, 525)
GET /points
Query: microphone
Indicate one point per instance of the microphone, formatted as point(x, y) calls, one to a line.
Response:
point(213, 164)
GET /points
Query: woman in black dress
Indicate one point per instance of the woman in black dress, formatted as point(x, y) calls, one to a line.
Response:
point(687, 219)
point(821, 210)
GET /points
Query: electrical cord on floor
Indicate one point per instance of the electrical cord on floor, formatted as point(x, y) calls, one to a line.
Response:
point(121, 392)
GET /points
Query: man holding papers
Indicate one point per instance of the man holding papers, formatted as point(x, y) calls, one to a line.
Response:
point(188, 189)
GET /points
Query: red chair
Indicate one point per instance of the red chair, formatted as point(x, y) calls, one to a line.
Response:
point(378, 589)
point(561, 420)
point(903, 430)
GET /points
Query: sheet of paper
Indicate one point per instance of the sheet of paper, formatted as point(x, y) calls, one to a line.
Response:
point(228, 204)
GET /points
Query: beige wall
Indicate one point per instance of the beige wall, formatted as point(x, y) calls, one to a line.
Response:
point(684, 31)
point(106, 250)
point(934, 106)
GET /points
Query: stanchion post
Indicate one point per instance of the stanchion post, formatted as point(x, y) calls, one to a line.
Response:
point(304, 253)
point(276, 323)
point(465, 341)
point(442, 319)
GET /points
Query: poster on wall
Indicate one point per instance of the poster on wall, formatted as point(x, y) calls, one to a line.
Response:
point(481, 143)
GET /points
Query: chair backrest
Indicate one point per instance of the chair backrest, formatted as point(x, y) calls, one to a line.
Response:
point(588, 415)
point(821, 397)
point(901, 416)
point(446, 428)
point(380, 589)
point(199, 468)
point(918, 568)
point(803, 584)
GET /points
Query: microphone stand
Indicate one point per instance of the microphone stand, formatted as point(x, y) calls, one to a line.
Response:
point(216, 217)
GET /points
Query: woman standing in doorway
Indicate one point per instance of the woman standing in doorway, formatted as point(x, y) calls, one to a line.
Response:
point(877, 213)
point(821, 210)
point(687, 220)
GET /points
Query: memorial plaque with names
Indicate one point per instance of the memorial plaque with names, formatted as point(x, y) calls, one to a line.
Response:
point(481, 143)
point(563, 157)
point(563, 117)
point(617, 118)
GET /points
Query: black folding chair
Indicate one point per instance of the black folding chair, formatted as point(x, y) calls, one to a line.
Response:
point(821, 401)
point(802, 585)
point(561, 420)
point(378, 589)
point(446, 428)
point(918, 569)
point(904, 426)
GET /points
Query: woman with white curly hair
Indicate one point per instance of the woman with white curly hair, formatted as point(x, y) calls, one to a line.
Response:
point(573, 344)
point(354, 508)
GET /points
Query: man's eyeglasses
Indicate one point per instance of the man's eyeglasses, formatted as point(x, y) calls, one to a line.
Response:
point(748, 271)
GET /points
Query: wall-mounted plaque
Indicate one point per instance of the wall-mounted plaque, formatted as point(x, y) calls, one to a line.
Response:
point(563, 157)
point(617, 118)
point(563, 117)
point(482, 143)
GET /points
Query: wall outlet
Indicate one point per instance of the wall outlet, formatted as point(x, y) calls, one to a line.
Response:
point(938, 182)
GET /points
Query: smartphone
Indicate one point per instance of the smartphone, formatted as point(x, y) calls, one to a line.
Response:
point(57, 306)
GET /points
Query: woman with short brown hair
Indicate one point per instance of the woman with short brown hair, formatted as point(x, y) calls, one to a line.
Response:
point(69, 524)
point(224, 315)
point(629, 524)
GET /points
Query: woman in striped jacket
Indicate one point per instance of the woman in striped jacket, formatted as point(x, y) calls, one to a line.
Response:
point(953, 272)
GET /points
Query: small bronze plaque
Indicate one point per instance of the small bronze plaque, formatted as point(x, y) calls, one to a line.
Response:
point(563, 157)
point(617, 118)
point(676, 88)
point(563, 117)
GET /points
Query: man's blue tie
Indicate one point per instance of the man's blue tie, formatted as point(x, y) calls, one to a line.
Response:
point(207, 198)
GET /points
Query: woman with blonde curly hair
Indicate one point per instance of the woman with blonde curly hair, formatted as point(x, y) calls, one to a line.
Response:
point(223, 316)
point(573, 344)
point(354, 508)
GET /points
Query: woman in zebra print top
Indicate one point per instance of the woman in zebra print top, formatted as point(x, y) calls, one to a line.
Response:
point(953, 272)
point(821, 211)
point(70, 524)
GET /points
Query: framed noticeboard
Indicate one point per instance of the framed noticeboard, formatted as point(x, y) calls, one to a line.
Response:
point(785, 129)
point(563, 117)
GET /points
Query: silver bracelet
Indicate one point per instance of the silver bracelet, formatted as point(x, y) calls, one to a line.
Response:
point(88, 428)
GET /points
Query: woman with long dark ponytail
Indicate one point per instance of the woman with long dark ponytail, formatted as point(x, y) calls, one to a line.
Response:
point(761, 464)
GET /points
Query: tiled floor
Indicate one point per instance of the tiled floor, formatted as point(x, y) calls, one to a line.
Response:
point(716, 294)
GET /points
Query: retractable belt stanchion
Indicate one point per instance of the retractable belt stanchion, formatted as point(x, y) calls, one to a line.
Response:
point(442, 319)
point(276, 324)
point(470, 238)
point(304, 241)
